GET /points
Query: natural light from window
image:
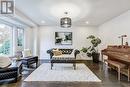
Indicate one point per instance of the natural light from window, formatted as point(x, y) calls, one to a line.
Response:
point(20, 37)
point(5, 39)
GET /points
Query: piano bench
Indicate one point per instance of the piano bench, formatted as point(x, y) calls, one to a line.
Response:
point(118, 65)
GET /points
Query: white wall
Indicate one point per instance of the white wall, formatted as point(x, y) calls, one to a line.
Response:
point(47, 38)
point(28, 38)
point(35, 41)
point(110, 30)
point(31, 40)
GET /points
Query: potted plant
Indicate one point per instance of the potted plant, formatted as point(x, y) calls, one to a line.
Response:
point(84, 49)
point(93, 50)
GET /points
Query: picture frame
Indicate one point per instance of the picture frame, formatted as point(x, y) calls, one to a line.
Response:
point(63, 38)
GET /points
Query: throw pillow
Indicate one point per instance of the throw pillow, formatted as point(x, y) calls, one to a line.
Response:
point(57, 52)
point(26, 53)
point(4, 62)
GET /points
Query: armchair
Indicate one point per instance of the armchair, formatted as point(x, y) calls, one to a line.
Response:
point(28, 60)
point(11, 72)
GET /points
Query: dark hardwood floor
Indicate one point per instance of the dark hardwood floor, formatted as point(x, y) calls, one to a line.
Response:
point(108, 77)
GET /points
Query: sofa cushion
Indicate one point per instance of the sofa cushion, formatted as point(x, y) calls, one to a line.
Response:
point(4, 61)
point(57, 52)
point(66, 51)
point(26, 53)
point(64, 56)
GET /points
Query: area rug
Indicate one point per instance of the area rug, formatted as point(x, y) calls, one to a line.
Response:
point(63, 72)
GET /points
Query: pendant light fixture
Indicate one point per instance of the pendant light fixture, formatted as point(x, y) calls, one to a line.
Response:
point(65, 22)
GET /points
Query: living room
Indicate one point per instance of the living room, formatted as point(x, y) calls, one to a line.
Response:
point(54, 43)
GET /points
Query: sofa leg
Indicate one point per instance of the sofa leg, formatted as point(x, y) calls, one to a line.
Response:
point(74, 65)
point(51, 65)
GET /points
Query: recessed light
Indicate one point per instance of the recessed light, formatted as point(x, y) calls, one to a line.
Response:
point(42, 22)
point(87, 22)
point(2, 26)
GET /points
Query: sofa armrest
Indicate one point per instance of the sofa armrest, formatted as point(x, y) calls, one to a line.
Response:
point(29, 58)
point(13, 71)
point(76, 52)
point(4, 70)
point(50, 53)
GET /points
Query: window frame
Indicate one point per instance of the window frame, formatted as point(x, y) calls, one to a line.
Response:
point(22, 37)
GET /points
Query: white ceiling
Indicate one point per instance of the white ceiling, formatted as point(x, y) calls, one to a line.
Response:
point(94, 11)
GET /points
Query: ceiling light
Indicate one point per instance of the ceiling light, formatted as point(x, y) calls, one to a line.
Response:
point(1, 33)
point(87, 22)
point(2, 25)
point(65, 22)
point(42, 22)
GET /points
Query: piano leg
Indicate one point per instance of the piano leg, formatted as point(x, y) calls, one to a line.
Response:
point(128, 73)
point(119, 73)
point(102, 57)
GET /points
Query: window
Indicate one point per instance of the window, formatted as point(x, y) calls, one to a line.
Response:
point(5, 39)
point(20, 37)
point(11, 38)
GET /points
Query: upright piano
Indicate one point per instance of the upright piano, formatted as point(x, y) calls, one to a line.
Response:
point(119, 53)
